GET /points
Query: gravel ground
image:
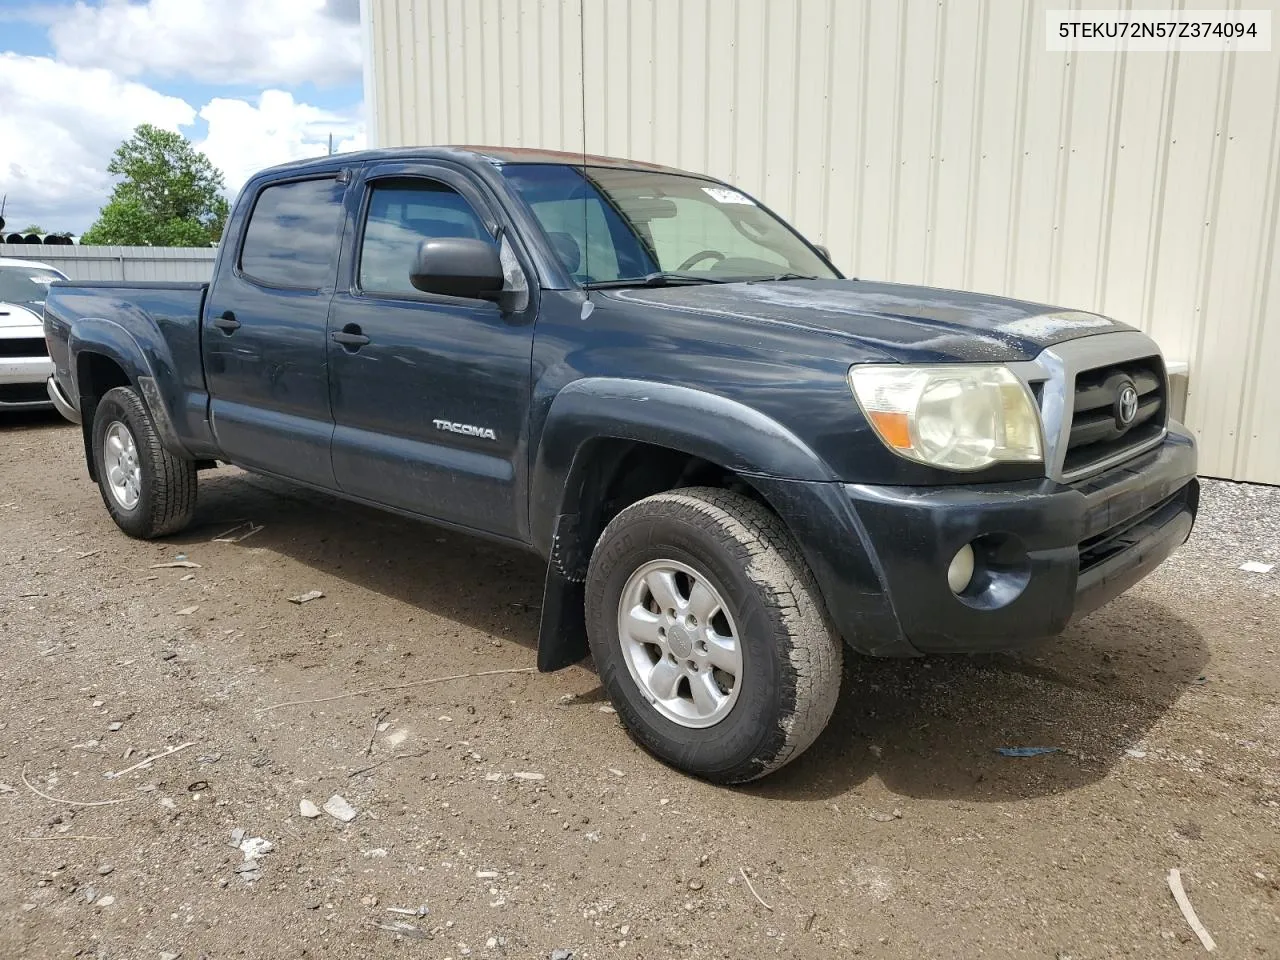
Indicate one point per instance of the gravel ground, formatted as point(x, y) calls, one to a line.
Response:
point(518, 813)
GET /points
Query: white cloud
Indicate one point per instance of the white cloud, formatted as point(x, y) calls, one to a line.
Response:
point(243, 137)
point(263, 42)
point(58, 128)
point(60, 124)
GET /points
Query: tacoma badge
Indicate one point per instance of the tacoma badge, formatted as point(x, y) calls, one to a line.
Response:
point(470, 430)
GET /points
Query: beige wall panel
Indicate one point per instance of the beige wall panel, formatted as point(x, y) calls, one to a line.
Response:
point(922, 142)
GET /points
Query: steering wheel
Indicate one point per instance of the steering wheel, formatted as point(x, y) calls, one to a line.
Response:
point(700, 256)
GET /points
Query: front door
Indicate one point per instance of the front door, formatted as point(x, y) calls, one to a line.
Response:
point(264, 332)
point(430, 393)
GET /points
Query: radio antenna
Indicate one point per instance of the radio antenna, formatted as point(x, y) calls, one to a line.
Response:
point(582, 82)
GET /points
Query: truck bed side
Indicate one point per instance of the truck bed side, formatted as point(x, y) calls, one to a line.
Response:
point(146, 335)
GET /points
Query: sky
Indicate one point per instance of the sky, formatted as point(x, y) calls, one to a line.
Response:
point(250, 82)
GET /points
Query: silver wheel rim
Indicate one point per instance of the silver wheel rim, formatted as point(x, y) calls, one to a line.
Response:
point(680, 643)
point(124, 472)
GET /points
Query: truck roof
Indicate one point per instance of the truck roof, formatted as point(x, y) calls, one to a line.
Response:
point(479, 154)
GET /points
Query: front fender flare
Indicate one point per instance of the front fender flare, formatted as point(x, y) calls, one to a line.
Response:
point(719, 430)
point(714, 428)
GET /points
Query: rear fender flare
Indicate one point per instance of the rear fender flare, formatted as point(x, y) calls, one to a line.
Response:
point(148, 368)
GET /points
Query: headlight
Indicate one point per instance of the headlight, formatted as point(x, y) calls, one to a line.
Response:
point(954, 416)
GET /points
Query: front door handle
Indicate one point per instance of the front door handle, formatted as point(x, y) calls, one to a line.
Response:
point(349, 336)
point(227, 323)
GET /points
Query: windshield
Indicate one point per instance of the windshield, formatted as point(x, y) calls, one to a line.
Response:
point(607, 224)
point(26, 284)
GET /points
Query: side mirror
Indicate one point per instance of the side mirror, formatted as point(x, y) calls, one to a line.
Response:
point(822, 249)
point(458, 267)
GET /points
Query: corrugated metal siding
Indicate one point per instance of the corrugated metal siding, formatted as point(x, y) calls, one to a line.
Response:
point(921, 141)
point(120, 263)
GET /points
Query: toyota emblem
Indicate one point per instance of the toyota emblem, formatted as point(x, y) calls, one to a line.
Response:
point(1126, 405)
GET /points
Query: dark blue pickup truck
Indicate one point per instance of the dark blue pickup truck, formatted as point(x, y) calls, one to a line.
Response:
point(734, 460)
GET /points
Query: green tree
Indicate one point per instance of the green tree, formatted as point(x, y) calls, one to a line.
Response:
point(169, 194)
point(32, 228)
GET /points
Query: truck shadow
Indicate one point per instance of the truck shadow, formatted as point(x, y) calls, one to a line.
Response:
point(15, 420)
point(925, 728)
point(471, 581)
point(932, 728)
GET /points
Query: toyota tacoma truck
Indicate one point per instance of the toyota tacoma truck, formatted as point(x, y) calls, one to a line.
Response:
point(736, 461)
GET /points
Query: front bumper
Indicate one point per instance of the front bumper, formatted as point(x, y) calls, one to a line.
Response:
point(22, 382)
point(1047, 552)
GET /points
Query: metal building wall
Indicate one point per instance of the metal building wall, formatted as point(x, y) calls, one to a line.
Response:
point(922, 141)
point(171, 264)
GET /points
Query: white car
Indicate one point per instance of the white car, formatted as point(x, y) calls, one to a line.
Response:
point(25, 366)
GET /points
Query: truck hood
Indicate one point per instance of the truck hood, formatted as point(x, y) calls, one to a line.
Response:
point(14, 315)
point(903, 322)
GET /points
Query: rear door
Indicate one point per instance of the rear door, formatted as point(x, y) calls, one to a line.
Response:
point(430, 393)
point(264, 333)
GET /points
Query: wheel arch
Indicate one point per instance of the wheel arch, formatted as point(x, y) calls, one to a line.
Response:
point(608, 443)
point(96, 372)
point(105, 355)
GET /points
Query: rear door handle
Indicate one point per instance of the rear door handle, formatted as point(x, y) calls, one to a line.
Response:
point(227, 323)
point(349, 336)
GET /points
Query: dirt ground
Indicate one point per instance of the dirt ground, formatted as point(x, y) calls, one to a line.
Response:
point(516, 810)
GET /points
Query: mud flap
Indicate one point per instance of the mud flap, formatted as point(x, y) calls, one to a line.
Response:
point(160, 418)
point(562, 634)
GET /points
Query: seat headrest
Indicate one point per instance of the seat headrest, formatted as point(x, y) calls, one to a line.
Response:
point(566, 249)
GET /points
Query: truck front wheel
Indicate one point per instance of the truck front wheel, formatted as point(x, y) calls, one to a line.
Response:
point(148, 491)
point(710, 635)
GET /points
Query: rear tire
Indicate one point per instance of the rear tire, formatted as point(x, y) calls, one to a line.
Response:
point(763, 646)
point(147, 490)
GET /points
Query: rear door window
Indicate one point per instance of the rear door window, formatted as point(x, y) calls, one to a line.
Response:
point(293, 234)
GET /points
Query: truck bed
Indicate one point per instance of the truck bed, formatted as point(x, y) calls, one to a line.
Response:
point(173, 307)
point(156, 322)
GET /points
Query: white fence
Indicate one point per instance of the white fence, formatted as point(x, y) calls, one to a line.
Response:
point(170, 264)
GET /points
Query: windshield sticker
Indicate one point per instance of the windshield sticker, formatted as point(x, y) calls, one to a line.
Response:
point(725, 195)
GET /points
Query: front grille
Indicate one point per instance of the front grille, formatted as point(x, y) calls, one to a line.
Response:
point(23, 393)
point(24, 347)
point(1097, 431)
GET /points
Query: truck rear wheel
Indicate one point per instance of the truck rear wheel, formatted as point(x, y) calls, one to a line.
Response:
point(148, 491)
point(710, 635)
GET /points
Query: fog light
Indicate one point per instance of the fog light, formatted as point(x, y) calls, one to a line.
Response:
point(961, 570)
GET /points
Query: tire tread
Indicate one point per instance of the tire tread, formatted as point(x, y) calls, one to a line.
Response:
point(775, 564)
point(173, 481)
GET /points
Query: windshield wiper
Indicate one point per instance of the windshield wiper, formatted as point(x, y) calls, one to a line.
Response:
point(783, 276)
point(660, 278)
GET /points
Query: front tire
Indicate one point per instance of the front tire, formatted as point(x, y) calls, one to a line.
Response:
point(147, 490)
point(710, 635)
